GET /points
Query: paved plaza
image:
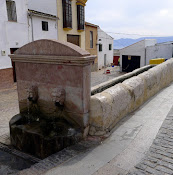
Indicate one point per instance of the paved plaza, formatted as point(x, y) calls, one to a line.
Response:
point(100, 76)
point(127, 149)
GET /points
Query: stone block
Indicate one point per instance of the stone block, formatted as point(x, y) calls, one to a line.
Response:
point(108, 107)
point(135, 85)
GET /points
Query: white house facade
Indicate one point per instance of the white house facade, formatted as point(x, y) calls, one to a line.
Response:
point(105, 49)
point(13, 29)
point(23, 21)
point(42, 19)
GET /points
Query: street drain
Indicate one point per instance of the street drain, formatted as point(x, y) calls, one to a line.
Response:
point(12, 160)
point(15, 161)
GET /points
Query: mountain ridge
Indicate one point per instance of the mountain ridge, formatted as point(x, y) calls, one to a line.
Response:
point(124, 42)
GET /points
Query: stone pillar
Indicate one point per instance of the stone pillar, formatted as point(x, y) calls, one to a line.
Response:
point(53, 73)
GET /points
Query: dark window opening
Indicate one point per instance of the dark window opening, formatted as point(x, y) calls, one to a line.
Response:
point(12, 50)
point(45, 26)
point(67, 14)
point(110, 46)
point(91, 39)
point(130, 63)
point(80, 17)
point(100, 47)
point(11, 11)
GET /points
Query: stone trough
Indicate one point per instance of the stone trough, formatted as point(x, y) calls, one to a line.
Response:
point(53, 84)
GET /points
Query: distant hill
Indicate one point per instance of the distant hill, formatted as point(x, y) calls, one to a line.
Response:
point(124, 42)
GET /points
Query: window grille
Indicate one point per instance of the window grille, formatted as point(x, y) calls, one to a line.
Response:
point(67, 14)
point(80, 17)
point(11, 10)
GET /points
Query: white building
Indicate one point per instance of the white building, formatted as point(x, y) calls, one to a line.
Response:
point(161, 50)
point(105, 49)
point(13, 32)
point(134, 56)
point(22, 21)
point(42, 18)
point(139, 54)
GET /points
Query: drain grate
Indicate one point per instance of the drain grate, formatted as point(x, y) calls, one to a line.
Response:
point(6, 147)
point(39, 166)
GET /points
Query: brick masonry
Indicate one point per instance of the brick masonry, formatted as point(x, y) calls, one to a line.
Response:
point(159, 159)
point(6, 76)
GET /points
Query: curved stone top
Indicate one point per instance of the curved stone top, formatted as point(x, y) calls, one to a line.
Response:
point(52, 48)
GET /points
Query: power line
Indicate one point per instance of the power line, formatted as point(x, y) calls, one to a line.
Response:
point(137, 34)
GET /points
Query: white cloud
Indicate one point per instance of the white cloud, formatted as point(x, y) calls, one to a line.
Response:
point(164, 12)
point(146, 17)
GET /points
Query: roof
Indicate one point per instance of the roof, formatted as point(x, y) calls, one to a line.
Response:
point(167, 42)
point(136, 43)
point(41, 14)
point(105, 32)
point(90, 24)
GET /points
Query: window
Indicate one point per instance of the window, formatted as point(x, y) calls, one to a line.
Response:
point(67, 14)
point(110, 46)
point(100, 47)
point(80, 17)
point(11, 11)
point(91, 39)
point(45, 26)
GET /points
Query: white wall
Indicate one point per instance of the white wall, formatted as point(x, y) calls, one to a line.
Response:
point(105, 41)
point(137, 49)
point(159, 51)
point(12, 34)
point(45, 6)
point(38, 33)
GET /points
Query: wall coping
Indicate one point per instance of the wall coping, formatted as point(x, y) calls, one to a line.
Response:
point(48, 59)
point(105, 85)
point(51, 47)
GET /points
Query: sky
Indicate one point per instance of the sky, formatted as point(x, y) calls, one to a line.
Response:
point(143, 17)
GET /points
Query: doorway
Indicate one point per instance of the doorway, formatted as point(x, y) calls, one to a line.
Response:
point(12, 50)
point(130, 63)
point(104, 60)
point(74, 39)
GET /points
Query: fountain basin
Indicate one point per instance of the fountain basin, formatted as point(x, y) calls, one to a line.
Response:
point(44, 137)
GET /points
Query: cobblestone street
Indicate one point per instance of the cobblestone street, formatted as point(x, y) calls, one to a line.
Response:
point(159, 159)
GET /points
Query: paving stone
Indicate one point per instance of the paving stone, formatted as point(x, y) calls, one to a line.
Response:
point(153, 171)
point(141, 166)
point(159, 159)
point(166, 164)
point(149, 158)
point(164, 169)
point(149, 164)
point(157, 147)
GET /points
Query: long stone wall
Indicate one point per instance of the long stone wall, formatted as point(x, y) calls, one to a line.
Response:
point(105, 85)
point(114, 103)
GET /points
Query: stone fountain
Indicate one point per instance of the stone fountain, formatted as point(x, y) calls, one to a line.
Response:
point(53, 84)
